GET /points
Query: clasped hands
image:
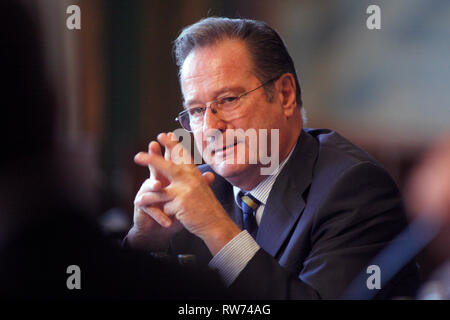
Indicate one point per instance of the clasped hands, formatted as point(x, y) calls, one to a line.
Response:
point(176, 195)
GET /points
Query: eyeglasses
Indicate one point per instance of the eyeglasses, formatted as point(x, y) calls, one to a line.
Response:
point(226, 108)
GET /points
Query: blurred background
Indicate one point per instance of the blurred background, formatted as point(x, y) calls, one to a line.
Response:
point(116, 81)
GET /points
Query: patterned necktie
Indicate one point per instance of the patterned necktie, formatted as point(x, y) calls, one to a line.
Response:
point(249, 205)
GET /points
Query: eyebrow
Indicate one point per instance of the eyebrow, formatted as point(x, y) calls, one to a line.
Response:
point(216, 94)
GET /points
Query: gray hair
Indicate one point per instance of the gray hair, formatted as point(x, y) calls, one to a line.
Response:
point(267, 50)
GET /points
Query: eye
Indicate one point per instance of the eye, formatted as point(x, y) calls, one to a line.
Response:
point(227, 101)
point(196, 111)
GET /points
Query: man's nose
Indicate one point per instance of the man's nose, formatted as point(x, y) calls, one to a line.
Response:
point(212, 120)
point(213, 127)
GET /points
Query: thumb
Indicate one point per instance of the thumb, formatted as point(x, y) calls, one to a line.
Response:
point(209, 177)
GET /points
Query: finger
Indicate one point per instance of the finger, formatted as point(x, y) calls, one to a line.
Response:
point(158, 215)
point(169, 141)
point(209, 177)
point(141, 158)
point(175, 151)
point(164, 167)
point(154, 148)
point(152, 198)
point(150, 185)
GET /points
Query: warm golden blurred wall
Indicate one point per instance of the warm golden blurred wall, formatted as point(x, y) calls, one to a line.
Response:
point(117, 81)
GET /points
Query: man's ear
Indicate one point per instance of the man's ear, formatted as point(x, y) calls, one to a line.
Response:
point(287, 91)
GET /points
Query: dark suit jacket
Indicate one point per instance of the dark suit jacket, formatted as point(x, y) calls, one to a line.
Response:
point(331, 210)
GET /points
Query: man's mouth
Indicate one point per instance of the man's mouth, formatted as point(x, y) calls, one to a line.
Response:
point(224, 149)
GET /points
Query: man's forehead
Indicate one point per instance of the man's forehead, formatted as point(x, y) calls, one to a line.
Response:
point(215, 67)
point(227, 56)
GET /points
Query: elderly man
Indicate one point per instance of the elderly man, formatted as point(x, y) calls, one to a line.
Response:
point(305, 230)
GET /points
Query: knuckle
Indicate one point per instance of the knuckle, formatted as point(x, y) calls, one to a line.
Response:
point(176, 169)
point(143, 186)
point(137, 199)
point(196, 183)
point(144, 199)
point(148, 182)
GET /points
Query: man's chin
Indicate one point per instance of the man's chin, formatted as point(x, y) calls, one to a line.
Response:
point(227, 170)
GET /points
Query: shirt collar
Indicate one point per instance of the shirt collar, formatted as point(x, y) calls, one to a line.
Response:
point(262, 190)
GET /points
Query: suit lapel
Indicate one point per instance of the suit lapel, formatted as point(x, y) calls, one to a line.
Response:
point(286, 202)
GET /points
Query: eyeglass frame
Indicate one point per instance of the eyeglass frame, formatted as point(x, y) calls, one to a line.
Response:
point(209, 104)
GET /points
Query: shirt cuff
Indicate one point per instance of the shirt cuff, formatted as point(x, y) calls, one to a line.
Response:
point(234, 256)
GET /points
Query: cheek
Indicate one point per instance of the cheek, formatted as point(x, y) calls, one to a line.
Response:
point(263, 120)
point(198, 139)
point(267, 115)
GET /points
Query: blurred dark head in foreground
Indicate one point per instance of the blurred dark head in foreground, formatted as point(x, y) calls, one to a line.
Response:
point(36, 167)
point(27, 128)
point(45, 218)
point(27, 121)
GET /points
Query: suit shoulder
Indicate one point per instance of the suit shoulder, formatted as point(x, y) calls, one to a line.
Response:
point(339, 153)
